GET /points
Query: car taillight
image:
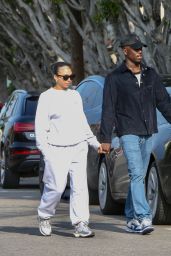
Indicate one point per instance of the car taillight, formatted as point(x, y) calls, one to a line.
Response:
point(24, 127)
point(25, 152)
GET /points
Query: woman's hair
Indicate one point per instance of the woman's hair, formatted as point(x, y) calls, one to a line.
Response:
point(55, 66)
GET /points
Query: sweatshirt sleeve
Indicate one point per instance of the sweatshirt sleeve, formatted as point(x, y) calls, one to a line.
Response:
point(42, 125)
point(90, 137)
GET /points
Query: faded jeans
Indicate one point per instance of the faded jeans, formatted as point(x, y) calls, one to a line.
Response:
point(137, 150)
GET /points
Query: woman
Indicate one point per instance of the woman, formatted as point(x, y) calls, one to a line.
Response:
point(63, 135)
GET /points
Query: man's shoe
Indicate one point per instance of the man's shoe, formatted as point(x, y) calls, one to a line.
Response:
point(82, 230)
point(44, 226)
point(146, 225)
point(133, 226)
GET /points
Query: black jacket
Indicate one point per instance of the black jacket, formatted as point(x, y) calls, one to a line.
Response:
point(132, 108)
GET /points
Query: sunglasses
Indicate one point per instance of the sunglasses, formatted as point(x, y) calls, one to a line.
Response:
point(66, 77)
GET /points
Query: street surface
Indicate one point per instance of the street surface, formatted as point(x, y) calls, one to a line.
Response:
point(19, 234)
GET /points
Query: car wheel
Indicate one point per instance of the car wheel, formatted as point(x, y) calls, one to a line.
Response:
point(93, 197)
point(9, 179)
point(106, 202)
point(41, 173)
point(160, 210)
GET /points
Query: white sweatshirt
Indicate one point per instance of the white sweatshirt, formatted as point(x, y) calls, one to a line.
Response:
point(60, 120)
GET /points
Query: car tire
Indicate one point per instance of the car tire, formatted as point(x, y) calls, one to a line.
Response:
point(161, 211)
point(107, 204)
point(93, 197)
point(41, 173)
point(9, 179)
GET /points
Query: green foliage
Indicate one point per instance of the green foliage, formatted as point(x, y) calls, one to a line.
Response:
point(107, 9)
point(12, 3)
point(57, 8)
point(26, 30)
point(13, 50)
point(28, 2)
point(57, 1)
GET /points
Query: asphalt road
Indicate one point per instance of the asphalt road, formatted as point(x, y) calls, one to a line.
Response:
point(19, 234)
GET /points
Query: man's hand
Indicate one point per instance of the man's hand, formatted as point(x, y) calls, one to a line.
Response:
point(105, 147)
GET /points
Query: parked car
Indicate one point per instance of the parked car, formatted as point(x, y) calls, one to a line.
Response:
point(18, 151)
point(1, 105)
point(107, 174)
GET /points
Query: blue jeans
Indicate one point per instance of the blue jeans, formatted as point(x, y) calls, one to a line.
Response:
point(137, 150)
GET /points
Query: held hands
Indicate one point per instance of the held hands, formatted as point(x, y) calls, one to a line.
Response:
point(104, 148)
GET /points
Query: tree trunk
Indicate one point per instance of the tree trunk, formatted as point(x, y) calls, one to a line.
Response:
point(77, 58)
point(36, 33)
point(3, 86)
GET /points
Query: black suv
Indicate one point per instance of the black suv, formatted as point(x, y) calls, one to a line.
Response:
point(19, 154)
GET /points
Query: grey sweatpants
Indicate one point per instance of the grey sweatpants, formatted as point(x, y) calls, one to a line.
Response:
point(60, 162)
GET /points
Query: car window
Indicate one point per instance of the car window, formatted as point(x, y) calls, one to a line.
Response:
point(30, 106)
point(91, 94)
point(3, 110)
point(11, 105)
point(99, 97)
point(160, 118)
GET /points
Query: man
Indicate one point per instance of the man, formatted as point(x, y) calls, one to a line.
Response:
point(131, 94)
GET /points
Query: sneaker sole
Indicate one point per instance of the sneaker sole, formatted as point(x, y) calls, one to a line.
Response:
point(83, 236)
point(44, 233)
point(133, 231)
point(147, 230)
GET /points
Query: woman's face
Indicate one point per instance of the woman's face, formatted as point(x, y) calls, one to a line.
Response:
point(63, 78)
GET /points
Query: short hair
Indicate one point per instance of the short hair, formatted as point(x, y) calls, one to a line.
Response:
point(55, 66)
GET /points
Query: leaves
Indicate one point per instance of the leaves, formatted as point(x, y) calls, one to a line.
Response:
point(107, 9)
point(36, 33)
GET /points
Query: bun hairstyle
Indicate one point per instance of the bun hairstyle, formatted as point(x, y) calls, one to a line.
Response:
point(55, 66)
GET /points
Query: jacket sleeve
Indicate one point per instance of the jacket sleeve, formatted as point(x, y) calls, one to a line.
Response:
point(163, 100)
point(108, 110)
point(42, 125)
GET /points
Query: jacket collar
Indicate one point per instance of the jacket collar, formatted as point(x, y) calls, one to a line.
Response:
point(123, 68)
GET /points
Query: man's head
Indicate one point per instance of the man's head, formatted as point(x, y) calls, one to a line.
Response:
point(132, 48)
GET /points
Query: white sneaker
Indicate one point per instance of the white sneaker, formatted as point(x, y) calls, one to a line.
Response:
point(82, 230)
point(133, 226)
point(146, 225)
point(45, 226)
point(146, 222)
